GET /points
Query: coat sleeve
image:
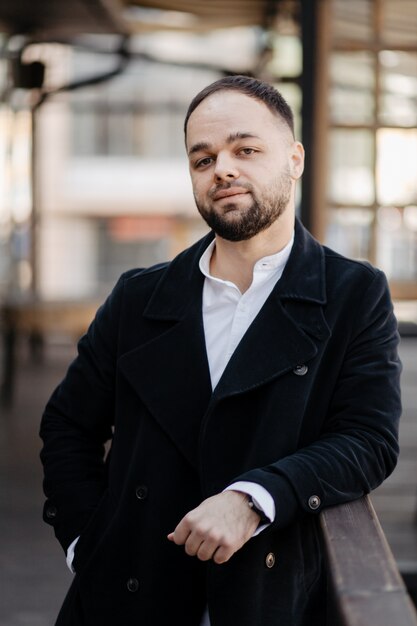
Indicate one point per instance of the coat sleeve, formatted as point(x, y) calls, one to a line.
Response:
point(76, 424)
point(358, 446)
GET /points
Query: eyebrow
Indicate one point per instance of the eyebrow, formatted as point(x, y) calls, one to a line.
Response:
point(204, 145)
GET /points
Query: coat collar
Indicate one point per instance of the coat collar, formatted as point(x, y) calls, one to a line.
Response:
point(303, 278)
point(176, 292)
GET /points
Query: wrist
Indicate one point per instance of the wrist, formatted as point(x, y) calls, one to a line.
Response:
point(263, 518)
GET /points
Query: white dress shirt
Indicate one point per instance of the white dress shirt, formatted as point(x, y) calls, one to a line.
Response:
point(227, 315)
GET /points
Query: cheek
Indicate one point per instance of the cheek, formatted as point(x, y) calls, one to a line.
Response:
point(274, 174)
point(196, 188)
point(200, 184)
point(262, 172)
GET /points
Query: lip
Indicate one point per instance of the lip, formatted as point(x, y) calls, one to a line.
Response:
point(226, 193)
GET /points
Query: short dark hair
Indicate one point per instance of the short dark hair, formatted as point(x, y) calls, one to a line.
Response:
point(251, 87)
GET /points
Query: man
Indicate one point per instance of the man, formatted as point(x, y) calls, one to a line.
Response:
point(245, 385)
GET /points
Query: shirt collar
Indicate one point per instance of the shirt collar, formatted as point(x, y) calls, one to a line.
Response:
point(269, 263)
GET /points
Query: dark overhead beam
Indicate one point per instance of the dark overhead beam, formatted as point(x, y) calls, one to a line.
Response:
point(44, 19)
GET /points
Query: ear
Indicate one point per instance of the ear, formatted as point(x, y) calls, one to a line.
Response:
point(296, 160)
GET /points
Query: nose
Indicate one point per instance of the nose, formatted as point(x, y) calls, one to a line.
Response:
point(225, 169)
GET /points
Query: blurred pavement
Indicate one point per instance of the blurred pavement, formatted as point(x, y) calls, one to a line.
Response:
point(33, 573)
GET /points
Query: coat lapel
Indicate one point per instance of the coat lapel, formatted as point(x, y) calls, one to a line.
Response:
point(169, 370)
point(289, 327)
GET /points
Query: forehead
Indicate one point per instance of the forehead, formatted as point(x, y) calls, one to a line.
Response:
point(228, 112)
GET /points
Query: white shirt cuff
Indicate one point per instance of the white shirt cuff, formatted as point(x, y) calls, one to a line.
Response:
point(70, 554)
point(261, 497)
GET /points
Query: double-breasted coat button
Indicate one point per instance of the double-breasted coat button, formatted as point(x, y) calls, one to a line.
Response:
point(141, 492)
point(314, 502)
point(51, 512)
point(132, 585)
point(270, 560)
point(300, 370)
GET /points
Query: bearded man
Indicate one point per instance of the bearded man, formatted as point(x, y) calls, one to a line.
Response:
point(246, 385)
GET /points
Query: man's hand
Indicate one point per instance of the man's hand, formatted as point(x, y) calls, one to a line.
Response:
point(217, 528)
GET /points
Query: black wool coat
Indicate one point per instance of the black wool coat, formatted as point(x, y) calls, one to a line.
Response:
point(307, 407)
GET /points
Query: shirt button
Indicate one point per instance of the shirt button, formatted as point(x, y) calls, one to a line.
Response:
point(270, 560)
point(51, 512)
point(314, 502)
point(300, 370)
point(132, 585)
point(141, 492)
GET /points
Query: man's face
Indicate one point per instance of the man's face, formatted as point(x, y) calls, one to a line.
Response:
point(243, 164)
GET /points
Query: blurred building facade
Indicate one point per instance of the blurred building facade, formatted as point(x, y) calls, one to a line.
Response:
point(110, 177)
point(372, 136)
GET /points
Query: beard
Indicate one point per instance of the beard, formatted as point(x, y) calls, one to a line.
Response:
point(239, 224)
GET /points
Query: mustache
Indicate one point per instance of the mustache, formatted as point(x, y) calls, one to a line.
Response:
point(223, 186)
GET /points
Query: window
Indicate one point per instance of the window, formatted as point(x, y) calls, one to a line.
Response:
point(372, 140)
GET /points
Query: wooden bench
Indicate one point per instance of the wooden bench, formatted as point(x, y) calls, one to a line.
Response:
point(366, 586)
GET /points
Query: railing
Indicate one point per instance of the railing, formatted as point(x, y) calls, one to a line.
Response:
point(367, 589)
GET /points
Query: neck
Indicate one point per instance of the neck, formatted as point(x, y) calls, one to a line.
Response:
point(235, 260)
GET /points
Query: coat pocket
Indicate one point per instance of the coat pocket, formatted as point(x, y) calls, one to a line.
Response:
point(91, 534)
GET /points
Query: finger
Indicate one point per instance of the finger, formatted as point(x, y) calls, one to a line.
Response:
point(206, 551)
point(180, 534)
point(223, 554)
point(193, 544)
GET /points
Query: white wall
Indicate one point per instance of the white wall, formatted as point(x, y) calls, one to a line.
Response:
point(67, 258)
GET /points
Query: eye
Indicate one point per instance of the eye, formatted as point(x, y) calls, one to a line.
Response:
point(203, 162)
point(247, 151)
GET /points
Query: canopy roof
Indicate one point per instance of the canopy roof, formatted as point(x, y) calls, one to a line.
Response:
point(65, 18)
